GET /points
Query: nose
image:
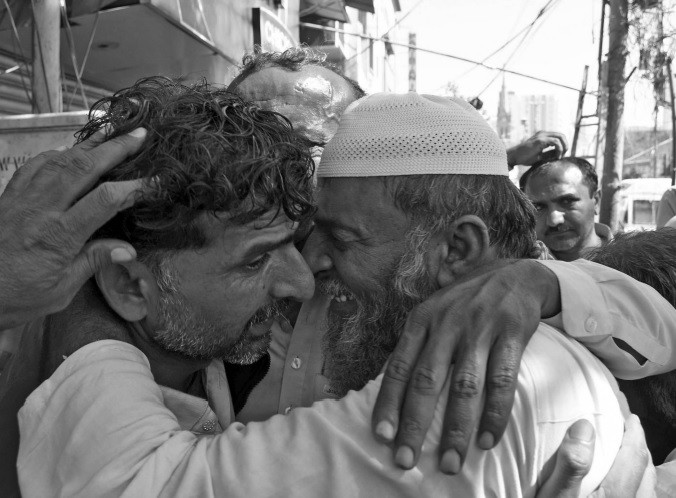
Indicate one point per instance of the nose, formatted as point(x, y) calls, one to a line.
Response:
point(295, 279)
point(554, 217)
point(316, 255)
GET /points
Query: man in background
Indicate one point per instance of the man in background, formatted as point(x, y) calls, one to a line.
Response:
point(566, 196)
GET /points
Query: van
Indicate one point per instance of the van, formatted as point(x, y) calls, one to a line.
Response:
point(639, 200)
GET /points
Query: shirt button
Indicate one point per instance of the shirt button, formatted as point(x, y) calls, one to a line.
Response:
point(296, 363)
point(209, 425)
point(288, 409)
point(590, 325)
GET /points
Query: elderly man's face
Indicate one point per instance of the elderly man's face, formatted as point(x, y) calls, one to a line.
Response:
point(565, 209)
point(220, 300)
point(361, 256)
point(313, 99)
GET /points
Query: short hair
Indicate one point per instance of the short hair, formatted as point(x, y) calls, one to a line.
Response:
point(434, 202)
point(589, 176)
point(292, 59)
point(207, 151)
point(647, 256)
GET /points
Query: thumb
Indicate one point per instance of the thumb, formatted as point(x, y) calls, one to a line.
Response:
point(573, 461)
point(98, 254)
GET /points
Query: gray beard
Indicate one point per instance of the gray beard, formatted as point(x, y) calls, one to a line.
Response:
point(356, 347)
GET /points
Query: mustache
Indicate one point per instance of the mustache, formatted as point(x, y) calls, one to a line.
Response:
point(334, 287)
point(557, 229)
point(271, 310)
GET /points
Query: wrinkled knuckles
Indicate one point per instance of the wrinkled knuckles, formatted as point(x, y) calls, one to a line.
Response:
point(574, 464)
point(425, 381)
point(502, 381)
point(465, 386)
point(107, 196)
point(410, 427)
point(398, 370)
point(455, 439)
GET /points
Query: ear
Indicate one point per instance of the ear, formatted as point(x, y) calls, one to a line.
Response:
point(458, 250)
point(129, 289)
point(597, 201)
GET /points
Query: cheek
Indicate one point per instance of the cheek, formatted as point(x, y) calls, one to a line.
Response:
point(359, 277)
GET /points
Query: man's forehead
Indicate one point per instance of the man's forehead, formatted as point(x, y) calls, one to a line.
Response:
point(556, 182)
point(220, 225)
point(364, 204)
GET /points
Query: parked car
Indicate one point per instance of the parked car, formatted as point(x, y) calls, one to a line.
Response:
point(640, 198)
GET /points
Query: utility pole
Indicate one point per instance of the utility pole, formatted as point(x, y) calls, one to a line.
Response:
point(672, 99)
point(46, 80)
point(614, 146)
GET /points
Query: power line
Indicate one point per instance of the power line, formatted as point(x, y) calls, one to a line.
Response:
point(445, 54)
point(500, 48)
point(528, 30)
point(388, 30)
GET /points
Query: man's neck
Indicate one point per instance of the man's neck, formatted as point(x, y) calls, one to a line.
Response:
point(88, 319)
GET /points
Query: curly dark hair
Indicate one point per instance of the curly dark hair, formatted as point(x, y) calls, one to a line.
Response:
point(292, 59)
point(206, 150)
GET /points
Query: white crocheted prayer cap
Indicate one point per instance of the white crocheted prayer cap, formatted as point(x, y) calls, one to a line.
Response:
point(388, 134)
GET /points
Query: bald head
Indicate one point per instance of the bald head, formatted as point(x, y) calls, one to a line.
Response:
point(301, 86)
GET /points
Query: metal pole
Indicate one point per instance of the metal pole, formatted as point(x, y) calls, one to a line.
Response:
point(580, 105)
point(612, 162)
point(46, 52)
point(673, 122)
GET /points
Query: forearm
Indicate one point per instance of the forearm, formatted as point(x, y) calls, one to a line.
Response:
point(599, 304)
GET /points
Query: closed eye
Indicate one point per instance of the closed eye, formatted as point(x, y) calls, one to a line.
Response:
point(258, 263)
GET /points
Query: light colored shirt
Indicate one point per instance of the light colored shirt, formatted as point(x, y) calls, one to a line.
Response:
point(101, 426)
point(667, 208)
point(666, 477)
point(597, 304)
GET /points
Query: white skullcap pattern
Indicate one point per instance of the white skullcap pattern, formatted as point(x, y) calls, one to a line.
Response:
point(388, 134)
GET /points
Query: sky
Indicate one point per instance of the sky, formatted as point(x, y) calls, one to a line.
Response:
point(557, 48)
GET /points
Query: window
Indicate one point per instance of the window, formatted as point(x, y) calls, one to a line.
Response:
point(644, 212)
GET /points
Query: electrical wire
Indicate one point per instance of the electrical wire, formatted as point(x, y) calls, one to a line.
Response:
point(497, 50)
point(529, 29)
point(397, 22)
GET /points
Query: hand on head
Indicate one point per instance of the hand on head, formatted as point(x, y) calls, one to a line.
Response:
point(47, 214)
point(535, 149)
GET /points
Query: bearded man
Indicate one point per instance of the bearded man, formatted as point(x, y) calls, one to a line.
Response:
point(144, 448)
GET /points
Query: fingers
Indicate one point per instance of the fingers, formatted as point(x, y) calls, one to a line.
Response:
point(501, 378)
point(426, 384)
point(64, 177)
point(99, 206)
point(96, 139)
point(545, 139)
point(573, 461)
point(97, 255)
point(626, 474)
point(385, 420)
point(464, 405)
point(22, 176)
